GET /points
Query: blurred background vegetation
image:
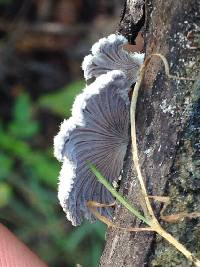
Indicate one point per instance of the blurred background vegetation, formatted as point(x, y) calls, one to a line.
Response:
point(42, 44)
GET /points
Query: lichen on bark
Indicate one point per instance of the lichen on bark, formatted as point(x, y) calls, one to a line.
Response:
point(183, 189)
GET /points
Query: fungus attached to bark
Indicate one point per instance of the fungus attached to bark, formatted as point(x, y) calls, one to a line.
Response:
point(98, 129)
point(96, 132)
point(108, 54)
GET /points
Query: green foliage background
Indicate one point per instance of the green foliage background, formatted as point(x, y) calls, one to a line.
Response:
point(40, 75)
point(28, 186)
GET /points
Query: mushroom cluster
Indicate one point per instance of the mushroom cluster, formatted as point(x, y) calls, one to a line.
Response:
point(98, 130)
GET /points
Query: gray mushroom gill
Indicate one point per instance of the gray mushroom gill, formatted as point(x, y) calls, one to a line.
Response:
point(97, 131)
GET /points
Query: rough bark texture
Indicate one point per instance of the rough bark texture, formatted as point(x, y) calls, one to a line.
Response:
point(168, 133)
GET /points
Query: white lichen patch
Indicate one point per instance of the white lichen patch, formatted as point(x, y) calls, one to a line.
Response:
point(148, 151)
point(120, 177)
point(167, 108)
point(115, 184)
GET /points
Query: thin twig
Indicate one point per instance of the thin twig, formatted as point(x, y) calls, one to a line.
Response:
point(92, 205)
point(133, 136)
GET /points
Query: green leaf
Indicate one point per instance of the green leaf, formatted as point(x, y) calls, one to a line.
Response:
point(45, 168)
point(82, 232)
point(23, 125)
point(96, 252)
point(99, 228)
point(77, 236)
point(6, 164)
point(5, 194)
point(61, 102)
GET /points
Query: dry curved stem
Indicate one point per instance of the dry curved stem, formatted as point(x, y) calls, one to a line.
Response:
point(153, 222)
point(167, 71)
point(174, 218)
point(92, 205)
point(134, 141)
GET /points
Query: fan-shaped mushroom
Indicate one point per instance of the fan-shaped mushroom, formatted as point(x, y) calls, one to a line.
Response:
point(96, 132)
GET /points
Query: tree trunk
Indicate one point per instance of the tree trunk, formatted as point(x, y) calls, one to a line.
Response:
point(168, 135)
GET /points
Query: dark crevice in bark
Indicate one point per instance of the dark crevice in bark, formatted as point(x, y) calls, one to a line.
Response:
point(128, 27)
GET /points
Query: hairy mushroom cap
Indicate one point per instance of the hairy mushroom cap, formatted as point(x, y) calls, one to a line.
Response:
point(96, 132)
point(62, 137)
point(108, 54)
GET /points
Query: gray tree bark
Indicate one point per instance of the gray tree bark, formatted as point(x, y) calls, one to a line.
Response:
point(168, 134)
